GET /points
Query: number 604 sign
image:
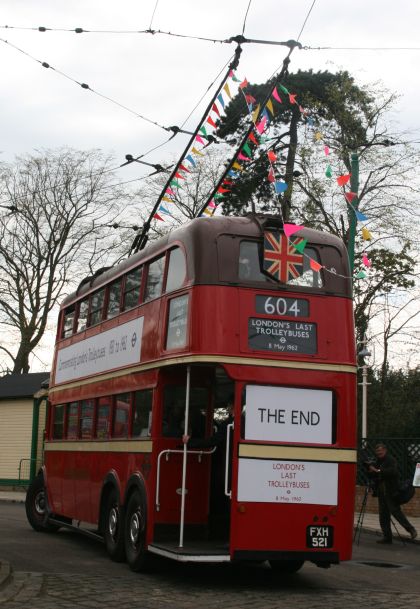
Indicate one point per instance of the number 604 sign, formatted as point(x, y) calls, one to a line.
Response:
point(279, 306)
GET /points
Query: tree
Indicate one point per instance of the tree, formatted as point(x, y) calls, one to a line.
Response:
point(61, 203)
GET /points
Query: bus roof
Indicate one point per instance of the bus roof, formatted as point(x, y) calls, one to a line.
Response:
point(193, 235)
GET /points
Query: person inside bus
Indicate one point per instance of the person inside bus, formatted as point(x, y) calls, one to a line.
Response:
point(173, 423)
point(219, 520)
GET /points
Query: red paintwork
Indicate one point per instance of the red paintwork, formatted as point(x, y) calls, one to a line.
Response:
point(218, 325)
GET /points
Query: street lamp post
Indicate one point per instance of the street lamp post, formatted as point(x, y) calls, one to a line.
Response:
point(364, 353)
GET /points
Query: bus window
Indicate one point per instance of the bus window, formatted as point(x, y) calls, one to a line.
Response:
point(132, 288)
point(58, 423)
point(102, 420)
point(68, 321)
point(309, 278)
point(176, 270)
point(86, 419)
point(83, 315)
point(176, 336)
point(114, 295)
point(72, 420)
point(96, 306)
point(121, 412)
point(174, 408)
point(249, 262)
point(142, 416)
point(154, 279)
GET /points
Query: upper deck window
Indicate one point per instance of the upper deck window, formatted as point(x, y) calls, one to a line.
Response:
point(83, 315)
point(114, 297)
point(176, 269)
point(154, 279)
point(249, 266)
point(68, 321)
point(132, 288)
point(96, 307)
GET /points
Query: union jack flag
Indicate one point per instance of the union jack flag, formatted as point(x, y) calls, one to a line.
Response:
point(281, 261)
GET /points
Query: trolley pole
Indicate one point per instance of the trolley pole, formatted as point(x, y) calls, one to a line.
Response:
point(364, 353)
point(184, 460)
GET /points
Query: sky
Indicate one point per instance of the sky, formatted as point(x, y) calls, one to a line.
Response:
point(163, 77)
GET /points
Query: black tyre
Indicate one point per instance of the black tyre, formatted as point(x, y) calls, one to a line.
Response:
point(286, 567)
point(135, 532)
point(114, 527)
point(36, 506)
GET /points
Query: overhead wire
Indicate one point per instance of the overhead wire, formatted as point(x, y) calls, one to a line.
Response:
point(153, 14)
point(306, 19)
point(245, 18)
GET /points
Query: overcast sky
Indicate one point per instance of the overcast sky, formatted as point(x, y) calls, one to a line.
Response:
point(162, 77)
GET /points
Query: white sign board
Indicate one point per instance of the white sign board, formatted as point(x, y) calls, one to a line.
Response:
point(416, 479)
point(288, 414)
point(268, 481)
point(120, 346)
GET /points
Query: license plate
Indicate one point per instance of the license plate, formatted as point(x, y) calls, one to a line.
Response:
point(321, 536)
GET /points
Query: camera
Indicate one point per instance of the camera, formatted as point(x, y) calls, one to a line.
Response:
point(372, 477)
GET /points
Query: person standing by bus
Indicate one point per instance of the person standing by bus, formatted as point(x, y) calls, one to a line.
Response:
point(386, 470)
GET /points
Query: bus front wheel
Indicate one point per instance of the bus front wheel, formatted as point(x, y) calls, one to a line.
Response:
point(36, 506)
point(286, 567)
point(135, 532)
point(114, 527)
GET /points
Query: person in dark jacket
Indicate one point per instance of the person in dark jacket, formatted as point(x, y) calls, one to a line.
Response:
point(386, 471)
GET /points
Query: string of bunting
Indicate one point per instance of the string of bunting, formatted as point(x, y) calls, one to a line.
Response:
point(260, 121)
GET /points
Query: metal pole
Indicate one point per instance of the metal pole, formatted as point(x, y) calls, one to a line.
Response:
point(364, 401)
point(184, 459)
point(354, 186)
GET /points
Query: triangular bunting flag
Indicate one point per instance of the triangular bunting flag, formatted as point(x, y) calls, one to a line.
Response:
point(237, 166)
point(271, 156)
point(222, 190)
point(276, 95)
point(183, 168)
point(191, 160)
point(367, 236)
point(315, 266)
point(211, 122)
point(157, 217)
point(227, 90)
point(350, 196)
point(326, 150)
point(343, 180)
point(195, 151)
point(266, 115)
point(216, 109)
point(255, 114)
point(200, 139)
point(253, 138)
point(167, 199)
point(175, 183)
point(284, 89)
point(361, 275)
point(179, 176)
point(233, 77)
point(300, 245)
point(221, 100)
point(318, 136)
point(244, 84)
point(366, 261)
point(271, 177)
point(280, 187)
point(163, 210)
point(249, 99)
point(290, 229)
point(203, 131)
point(292, 98)
point(169, 191)
point(270, 106)
point(212, 205)
point(328, 172)
point(360, 217)
point(246, 149)
point(261, 126)
point(242, 157)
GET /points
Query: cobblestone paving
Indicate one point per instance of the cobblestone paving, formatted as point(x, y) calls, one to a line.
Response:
point(37, 591)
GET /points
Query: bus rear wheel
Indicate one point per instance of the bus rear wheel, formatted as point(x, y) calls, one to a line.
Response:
point(114, 527)
point(135, 532)
point(36, 506)
point(286, 567)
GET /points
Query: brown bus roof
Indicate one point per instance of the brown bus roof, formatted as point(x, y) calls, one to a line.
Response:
point(201, 261)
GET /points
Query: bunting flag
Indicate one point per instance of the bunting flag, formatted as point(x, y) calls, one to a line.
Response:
point(315, 266)
point(366, 261)
point(280, 187)
point(292, 98)
point(255, 114)
point(261, 126)
point(244, 84)
point(272, 156)
point(163, 209)
point(326, 150)
point(179, 176)
point(183, 168)
point(216, 109)
point(191, 160)
point(318, 136)
point(221, 100)
point(200, 139)
point(246, 148)
point(233, 77)
point(167, 199)
point(289, 229)
point(249, 99)
point(366, 234)
point(280, 260)
point(170, 191)
point(242, 157)
point(276, 95)
point(203, 130)
point(271, 177)
point(157, 217)
point(211, 122)
point(227, 90)
point(361, 275)
point(237, 166)
point(222, 190)
point(283, 88)
point(360, 217)
point(270, 106)
point(195, 151)
point(252, 138)
point(300, 245)
point(350, 196)
point(328, 172)
point(343, 180)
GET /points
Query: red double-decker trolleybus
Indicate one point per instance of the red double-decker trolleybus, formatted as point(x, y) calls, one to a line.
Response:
point(202, 401)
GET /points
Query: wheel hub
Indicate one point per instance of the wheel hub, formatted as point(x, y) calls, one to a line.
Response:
point(40, 503)
point(113, 521)
point(135, 528)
